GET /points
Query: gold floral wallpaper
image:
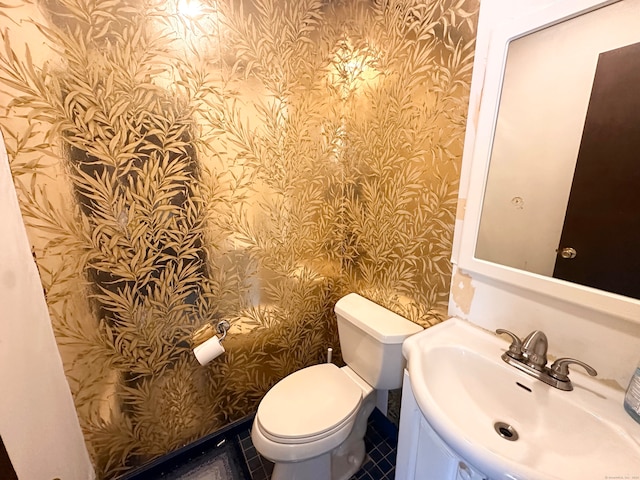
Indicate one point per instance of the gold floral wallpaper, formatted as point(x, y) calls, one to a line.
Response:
point(183, 161)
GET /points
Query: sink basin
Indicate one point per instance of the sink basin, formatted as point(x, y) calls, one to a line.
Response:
point(510, 425)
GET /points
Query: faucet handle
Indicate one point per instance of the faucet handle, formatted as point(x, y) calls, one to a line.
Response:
point(515, 349)
point(560, 368)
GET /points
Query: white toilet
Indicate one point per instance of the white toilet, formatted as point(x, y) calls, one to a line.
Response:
point(312, 423)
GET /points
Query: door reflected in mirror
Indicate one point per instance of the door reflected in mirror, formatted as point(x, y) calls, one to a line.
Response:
point(562, 196)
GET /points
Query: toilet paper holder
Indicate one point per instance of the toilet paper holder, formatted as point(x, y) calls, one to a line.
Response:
point(222, 328)
point(207, 331)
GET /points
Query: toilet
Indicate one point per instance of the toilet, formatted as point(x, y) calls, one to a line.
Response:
point(312, 423)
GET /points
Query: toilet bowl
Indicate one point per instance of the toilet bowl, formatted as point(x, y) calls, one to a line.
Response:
point(305, 418)
point(312, 423)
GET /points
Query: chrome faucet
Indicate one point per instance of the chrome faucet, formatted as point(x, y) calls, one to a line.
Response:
point(534, 350)
point(530, 356)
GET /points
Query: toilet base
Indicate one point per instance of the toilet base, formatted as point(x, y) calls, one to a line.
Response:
point(347, 459)
point(339, 464)
point(317, 468)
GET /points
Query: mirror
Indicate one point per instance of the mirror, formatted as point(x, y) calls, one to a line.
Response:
point(560, 109)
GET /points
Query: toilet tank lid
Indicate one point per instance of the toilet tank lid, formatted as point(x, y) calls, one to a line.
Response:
point(384, 325)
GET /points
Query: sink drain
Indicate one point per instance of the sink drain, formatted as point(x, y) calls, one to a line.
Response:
point(506, 431)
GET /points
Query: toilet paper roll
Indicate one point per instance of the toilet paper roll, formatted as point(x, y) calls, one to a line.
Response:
point(208, 350)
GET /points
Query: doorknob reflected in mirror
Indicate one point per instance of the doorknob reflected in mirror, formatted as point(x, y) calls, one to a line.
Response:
point(568, 253)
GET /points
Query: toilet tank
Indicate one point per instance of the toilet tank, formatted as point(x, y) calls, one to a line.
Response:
point(371, 340)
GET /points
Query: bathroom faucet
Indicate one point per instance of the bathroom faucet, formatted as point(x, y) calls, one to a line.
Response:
point(530, 356)
point(534, 350)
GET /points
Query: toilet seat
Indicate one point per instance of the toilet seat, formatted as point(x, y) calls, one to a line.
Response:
point(309, 405)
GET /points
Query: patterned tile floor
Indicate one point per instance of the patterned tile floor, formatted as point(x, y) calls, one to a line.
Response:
point(380, 441)
point(233, 450)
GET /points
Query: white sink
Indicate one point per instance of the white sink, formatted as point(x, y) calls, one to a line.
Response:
point(464, 388)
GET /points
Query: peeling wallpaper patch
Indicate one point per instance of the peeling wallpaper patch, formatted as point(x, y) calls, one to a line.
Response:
point(462, 291)
point(462, 207)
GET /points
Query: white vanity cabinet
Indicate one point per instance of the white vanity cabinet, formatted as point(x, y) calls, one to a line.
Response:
point(422, 454)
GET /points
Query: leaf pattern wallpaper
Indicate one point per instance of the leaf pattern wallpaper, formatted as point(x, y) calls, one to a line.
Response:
point(180, 162)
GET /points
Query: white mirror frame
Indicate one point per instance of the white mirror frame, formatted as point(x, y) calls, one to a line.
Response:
point(598, 300)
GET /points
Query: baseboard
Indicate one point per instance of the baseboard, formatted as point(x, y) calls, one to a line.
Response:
point(155, 468)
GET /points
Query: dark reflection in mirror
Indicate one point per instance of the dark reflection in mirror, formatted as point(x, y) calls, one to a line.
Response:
point(602, 226)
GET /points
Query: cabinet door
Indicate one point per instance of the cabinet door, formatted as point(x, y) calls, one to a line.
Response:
point(422, 454)
point(434, 460)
